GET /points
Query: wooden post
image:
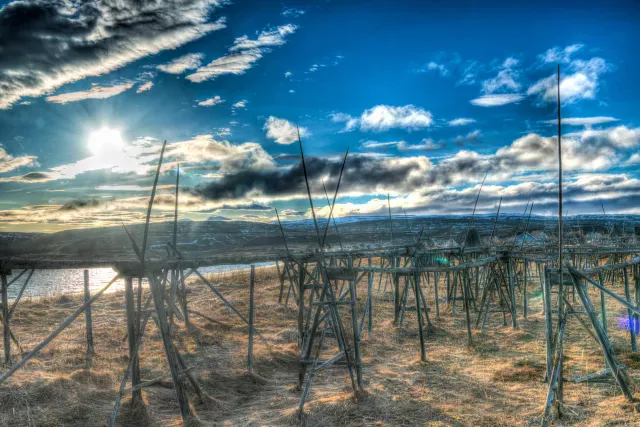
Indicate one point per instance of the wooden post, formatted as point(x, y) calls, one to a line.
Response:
point(465, 283)
point(396, 293)
point(300, 304)
point(524, 290)
point(435, 290)
point(636, 281)
point(370, 299)
point(87, 314)
point(281, 278)
point(416, 293)
point(356, 332)
point(5, 320)
point(512, 289)
point(448, 287)
point(136, 396)
point(251, 315)
point(632, 329)
point(183, 292)
point(603, 303)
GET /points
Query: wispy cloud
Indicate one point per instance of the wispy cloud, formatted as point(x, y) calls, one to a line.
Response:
point(144, 87)
point(243, 54)
point(460, 121)
point(506, 79)
point(235, 63)
point(497, 100)
point(267, 38)
point(89, 40)
point(283, 131)
point(434, 66)
point(96, 92)
point(293, 12)
point(9, 162)
point(424, 145)
point(583, 121)
point(179, 65)
point(557, 54)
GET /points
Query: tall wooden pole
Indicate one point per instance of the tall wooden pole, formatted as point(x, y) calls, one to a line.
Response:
point(561, 315)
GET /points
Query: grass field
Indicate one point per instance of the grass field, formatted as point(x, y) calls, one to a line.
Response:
point(496, 381)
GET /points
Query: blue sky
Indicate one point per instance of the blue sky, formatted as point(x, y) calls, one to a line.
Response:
point(428, 96)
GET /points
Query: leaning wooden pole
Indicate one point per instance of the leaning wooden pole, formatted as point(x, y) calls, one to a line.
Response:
point(146, 234)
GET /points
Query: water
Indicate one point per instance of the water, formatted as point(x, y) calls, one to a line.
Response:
point(57, 282)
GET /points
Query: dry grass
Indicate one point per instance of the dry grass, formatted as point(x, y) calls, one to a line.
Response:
point(496, 381)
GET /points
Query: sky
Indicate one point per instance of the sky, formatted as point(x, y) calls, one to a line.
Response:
point(427, 96)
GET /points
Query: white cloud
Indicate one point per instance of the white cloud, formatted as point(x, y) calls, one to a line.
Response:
point(179, 65)
point(211, 101)
point(96, 92)
point(235, 63)
point(292, 91)
point(581, 83)
point(269, 38)
point(471, 137)
point(460, 122)
point(240, 104)
point(244, 53)
point(435, 67)
point(229, 157)
point(505, 81)
point(9, 163)
point(84, 40)
point(384, 117)
point(283, 131)
point(288, 74)
point(496, 100)
point(351, 123)
point(425, 144)
point(556, 54)
point(583, 121)
point(144, 87)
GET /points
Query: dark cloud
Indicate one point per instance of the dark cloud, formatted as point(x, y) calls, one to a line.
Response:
point(80, 204)
point(253, 206)
point(30, 177)
point(360, 172)
point(46, 43)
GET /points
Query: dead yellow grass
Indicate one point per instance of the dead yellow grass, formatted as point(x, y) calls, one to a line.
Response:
point(496, 381)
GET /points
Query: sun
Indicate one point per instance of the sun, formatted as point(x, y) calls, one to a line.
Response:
point(105, 139)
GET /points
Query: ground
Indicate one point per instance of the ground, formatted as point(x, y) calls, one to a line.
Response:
point(498, 380)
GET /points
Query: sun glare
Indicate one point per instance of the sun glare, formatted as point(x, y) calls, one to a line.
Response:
point(105, 139)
